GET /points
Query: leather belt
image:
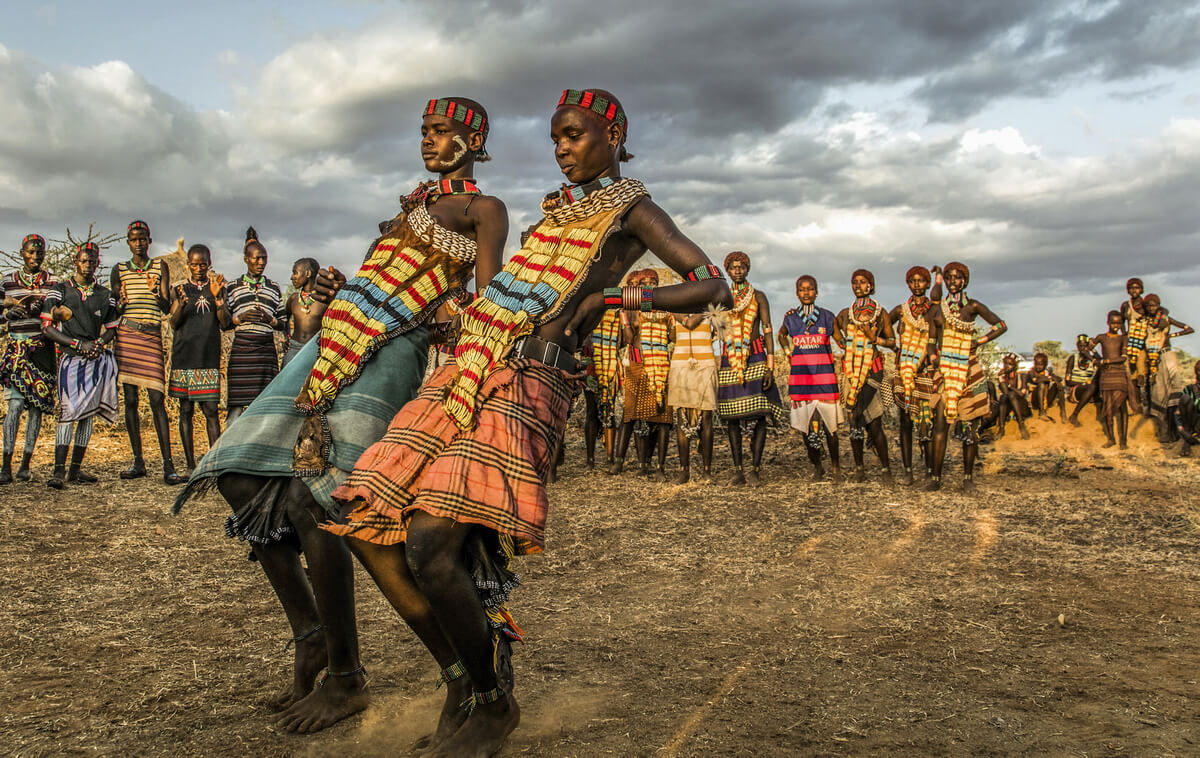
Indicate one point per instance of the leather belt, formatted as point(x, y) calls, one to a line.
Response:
point(550, 353)
point(138, 326)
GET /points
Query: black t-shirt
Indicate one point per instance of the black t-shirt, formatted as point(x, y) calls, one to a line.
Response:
point(91, 312)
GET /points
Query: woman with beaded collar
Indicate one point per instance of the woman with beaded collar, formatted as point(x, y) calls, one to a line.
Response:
point(964, 397)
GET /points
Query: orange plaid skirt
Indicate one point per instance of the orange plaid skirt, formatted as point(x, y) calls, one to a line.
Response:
point(492, 475)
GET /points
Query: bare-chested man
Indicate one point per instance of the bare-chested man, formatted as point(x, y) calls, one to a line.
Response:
point(964, 386)
point(303, 308)
point(861, 330)
point(445, 492)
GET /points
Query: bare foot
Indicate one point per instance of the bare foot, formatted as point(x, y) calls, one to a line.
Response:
point(616, 467)
point(482, 734)
point(753, 479)
point(683, 477)
point(888, 479)
point(1024, 434)
point(332, 700)
point(1075, 422)
point(860, 475)
point(969, 485)
point(819, 474)
point(738, 478)
point(310, 659)
point(933, 486)
point(908, 478)
point(660, 476)
point(453, 715)
point(1110, 443)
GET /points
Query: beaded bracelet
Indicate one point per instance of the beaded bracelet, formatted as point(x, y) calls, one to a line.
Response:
point(76, 344)
point(707, 271)
point(647, 303)
point(612, 297)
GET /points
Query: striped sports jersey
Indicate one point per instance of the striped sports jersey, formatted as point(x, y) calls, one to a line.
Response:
point(812, 375)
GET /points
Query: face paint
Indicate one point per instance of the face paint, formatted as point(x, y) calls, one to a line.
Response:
point(458, 154)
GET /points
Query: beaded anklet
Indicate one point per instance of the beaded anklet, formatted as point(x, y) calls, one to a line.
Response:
point(482, 698)
point(452, 672)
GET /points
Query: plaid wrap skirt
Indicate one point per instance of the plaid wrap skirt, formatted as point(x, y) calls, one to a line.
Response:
point(492, 475)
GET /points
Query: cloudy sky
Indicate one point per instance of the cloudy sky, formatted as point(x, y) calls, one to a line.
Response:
point(1053, 146)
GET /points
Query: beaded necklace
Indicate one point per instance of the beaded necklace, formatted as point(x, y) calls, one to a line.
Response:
point(202, 299)
point(39, 279)
point(739, 326)
point(306, 300)
point(859, 358)
point(808, 314)
point(537, 282)
point(85, 290)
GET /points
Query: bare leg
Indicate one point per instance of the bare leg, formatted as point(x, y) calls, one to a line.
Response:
point(937, 448)
point(12, 423)
point(970, 454)
point(857, 435)
point(162, 429)
point(618, 464)
point(434, 552)
point(684, 447)
point(1123, 427)
point(706, 441)
point(232, 415)
point(133, 427)
point(186, 411)
point(906, 446)
point(344, 691)
point(831, 439)
point(879, 442)
point(734, 428)
point(281, 564)
point(591, 428)
point(758, 444)
point(610, 439)
point(388, 566)
point(1060, 398)
point(212, 422)
point(1086, 393)
point(33, 425)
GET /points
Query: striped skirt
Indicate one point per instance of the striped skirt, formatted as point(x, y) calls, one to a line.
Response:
point(492, 475)
point(140, 359)
point(87, 387)
point(253, 363)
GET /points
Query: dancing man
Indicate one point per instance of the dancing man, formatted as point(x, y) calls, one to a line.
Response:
point(27, 366)
point(197, 316)
point(81, 317)
point(141, 286)
point(457, 484)
point(278, 466)
point(746, 391)
point(861, 330)
point(964, 397)
point(816, 410)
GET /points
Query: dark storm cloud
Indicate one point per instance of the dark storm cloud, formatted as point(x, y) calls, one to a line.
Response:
point(1061, 44)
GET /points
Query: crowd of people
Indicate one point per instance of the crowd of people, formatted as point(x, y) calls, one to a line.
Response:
point(414, 426)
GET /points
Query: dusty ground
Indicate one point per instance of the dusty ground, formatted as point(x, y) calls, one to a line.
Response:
point(1057, 614)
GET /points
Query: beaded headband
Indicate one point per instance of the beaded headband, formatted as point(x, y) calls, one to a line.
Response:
point(595, 103)
point(33, 238)
point(138, 225)
point(474, 120)
point(88, 247)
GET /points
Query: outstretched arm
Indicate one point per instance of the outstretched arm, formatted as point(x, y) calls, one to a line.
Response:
point(658, 233)
point(998, 326)
point(1184, 329)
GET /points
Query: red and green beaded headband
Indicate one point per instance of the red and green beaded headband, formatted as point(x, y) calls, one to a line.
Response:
point(475, 121)
point(585, 98)
point(88, 247)
point(138, 225)
point(33, 238)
